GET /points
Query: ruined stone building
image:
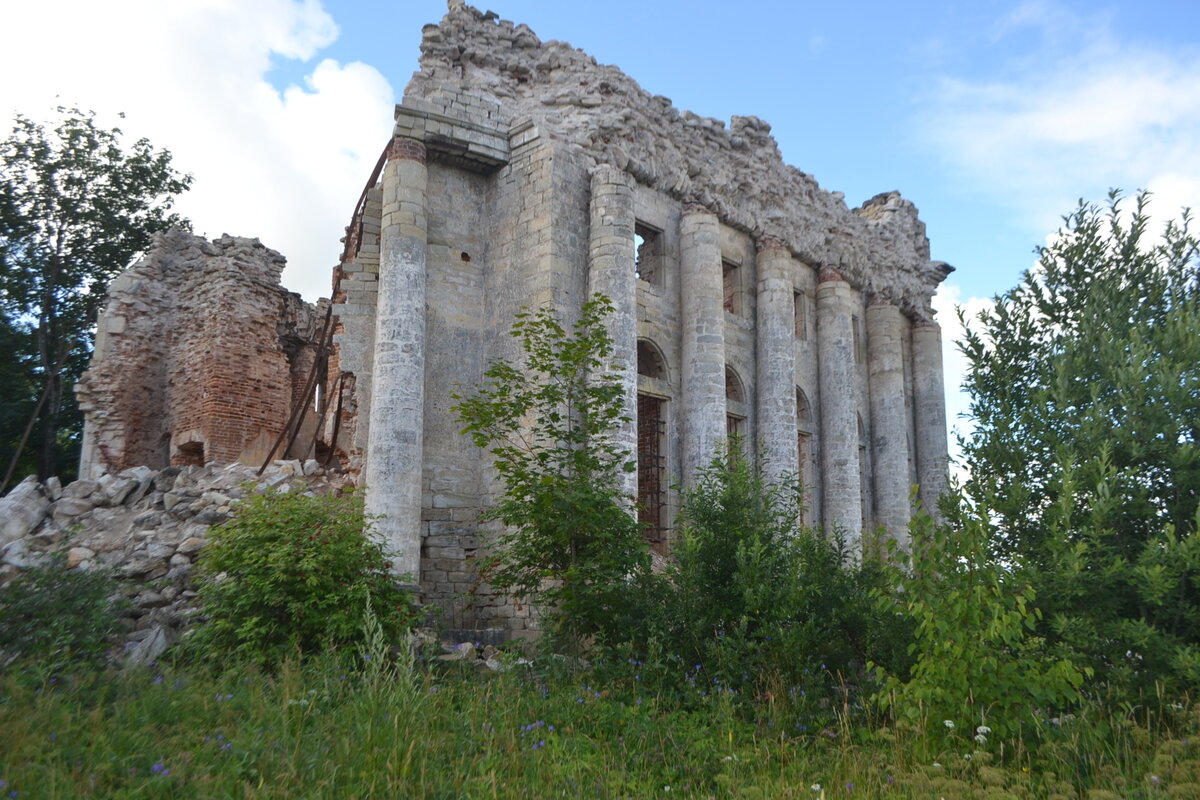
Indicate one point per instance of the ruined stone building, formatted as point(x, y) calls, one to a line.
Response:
point(522, 173)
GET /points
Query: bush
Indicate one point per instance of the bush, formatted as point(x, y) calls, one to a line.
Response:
point(754, 599)
point(54, 618)
point(293, 573)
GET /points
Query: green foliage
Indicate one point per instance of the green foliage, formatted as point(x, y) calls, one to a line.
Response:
point(314, 729)
point(568, 540)
point(1085, 385)
point(753, 604)
point(291, 573)
point(75, 207)
point(53, 619)
point(978, 659)
point(756, 593)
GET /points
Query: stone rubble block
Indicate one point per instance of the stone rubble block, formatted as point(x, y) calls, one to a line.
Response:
point(22, 510)
point(148, 540)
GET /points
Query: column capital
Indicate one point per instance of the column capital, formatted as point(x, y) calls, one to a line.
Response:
point(880, 301)
point(607, 173)
point(768, 242)
point(829, 275)
point(406, 149)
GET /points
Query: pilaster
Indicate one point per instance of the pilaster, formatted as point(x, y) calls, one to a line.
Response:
point(776, 361)
point(394, 447)
point(840, 477)
point(703, 340)
point(889, 441)
point(611, 273)
point(929, 400)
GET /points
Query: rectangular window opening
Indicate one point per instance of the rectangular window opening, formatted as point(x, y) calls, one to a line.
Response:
point(801, 303)
point(652, 470)
point(735, 432)
point(648, 258)
point(856, 330)
point(731, 277)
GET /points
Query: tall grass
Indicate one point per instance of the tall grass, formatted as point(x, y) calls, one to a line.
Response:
point(320, 729)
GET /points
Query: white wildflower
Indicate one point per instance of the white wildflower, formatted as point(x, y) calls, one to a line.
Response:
point(949, 723)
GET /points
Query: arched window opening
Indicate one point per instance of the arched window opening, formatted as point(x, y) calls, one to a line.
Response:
point(650, 362)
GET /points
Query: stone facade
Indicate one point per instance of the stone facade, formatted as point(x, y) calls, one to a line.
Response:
point(519, 174)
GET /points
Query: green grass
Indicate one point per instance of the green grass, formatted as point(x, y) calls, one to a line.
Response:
point(317, 730)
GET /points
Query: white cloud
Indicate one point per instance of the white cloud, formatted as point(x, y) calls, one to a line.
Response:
point(954, 363)
point(191, 75)
point(1082, 112)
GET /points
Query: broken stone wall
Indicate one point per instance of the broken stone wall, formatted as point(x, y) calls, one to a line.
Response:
point(199, 355)
point(735, 171)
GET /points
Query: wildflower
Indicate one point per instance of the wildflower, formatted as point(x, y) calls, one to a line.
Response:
point(979, 737)
point(949, 723)
point(849, 786)
point(816, 787)
point(1154, 779)
point(983, 730)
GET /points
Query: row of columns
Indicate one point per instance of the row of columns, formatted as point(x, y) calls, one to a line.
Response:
point(702, 395)
point(393, 469)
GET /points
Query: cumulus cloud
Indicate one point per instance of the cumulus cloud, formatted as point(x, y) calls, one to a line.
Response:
point(193, 76)
point(954, 365)
point(1083, 111)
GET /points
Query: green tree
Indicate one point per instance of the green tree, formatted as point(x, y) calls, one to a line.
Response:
point(1085, 386)
point(569, 539)
point(75, 208)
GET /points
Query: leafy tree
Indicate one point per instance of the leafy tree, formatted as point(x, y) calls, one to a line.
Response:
point(977, 657)
point(75, 208)
point(1085, 386)
point(569, 539)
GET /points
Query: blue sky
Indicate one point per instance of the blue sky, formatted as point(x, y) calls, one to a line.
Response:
point(993, 117)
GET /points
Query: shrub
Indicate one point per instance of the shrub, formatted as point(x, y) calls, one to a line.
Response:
point(754, 599)
point(291, 572)
point(54, 618)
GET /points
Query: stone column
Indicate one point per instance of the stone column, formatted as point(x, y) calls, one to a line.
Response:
point(929, 399)
point(841, 500)
point(776, 389)
point(394, 446)
point(611, 256)
point(702, 310)
point(889, 428)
